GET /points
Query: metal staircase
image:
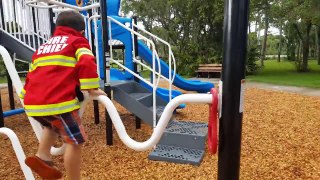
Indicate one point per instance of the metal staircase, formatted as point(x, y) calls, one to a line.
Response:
point(12, 44)
point(182, 141)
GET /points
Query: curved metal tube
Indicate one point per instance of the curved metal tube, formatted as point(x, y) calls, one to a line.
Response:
point(19, 152)
point(162, 124)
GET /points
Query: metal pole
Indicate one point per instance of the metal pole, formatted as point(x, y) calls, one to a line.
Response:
point(1, 112)
point(95, 102)
point(233, 75)
point(2, 15)
point(106, 65)
point(10, 91)
point(52, 24)
point(138, 120)
point(135, 41)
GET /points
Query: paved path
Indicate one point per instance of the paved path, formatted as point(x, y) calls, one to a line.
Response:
point(293, 89)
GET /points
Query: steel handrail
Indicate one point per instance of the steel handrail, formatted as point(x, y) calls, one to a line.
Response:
point(59, 4)
point(171, 79)
point(154, 56)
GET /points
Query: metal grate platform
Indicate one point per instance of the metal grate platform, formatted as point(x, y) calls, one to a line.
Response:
point(186, 127)
point(177, 155)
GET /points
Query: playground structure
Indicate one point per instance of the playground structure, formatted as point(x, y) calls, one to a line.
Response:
point(154, 108)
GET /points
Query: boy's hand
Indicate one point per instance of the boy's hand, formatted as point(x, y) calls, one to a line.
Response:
point(96, 92)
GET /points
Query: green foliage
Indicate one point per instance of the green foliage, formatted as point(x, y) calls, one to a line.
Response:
point(193, 28)
point(2, 68)
point(253, 55)
point(19, 66)
point(252, 58)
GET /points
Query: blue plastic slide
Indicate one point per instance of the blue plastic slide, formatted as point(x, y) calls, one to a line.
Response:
point(189, 85)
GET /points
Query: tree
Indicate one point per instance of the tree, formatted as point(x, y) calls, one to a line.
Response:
point(302, 14)
point(318, 44)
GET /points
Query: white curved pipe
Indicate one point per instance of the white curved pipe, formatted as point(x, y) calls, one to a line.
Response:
point(162, 124)
point(18, 87)
point(19, 152)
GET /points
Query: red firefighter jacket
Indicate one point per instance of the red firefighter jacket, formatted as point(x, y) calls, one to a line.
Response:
point(58, 66)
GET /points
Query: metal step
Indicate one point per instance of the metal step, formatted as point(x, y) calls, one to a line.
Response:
point(177, 155)
point(185, 134)
point(136, 99)
point(139, 96)
point(159, 110)
point(182, 142)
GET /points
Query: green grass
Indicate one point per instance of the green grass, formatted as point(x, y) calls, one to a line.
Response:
point(284, 73)
point(3, 80)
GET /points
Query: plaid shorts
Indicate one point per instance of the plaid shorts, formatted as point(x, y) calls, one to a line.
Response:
point(67, 125)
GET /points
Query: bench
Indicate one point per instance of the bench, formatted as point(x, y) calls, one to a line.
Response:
point(209, 70)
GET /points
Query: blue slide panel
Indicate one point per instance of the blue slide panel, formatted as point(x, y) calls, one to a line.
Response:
point(189, 85)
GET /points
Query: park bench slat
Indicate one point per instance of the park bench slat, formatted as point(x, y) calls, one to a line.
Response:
point(206, 69)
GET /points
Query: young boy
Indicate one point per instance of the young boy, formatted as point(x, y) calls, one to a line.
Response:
point(58, 67)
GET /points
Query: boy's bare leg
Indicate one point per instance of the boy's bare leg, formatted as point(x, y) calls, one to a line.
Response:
point(48, 139)
point(72, 161)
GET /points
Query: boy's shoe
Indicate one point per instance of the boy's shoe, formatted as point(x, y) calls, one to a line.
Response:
point(44, 169)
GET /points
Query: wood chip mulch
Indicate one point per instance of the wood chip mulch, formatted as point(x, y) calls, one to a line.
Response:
point(280, 140)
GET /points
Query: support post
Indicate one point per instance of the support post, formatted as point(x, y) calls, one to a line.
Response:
point(1, 112)
point(135, 38)
point(52, 25)
point(10, 91)
point(2, 15)
point(95, 102)
point(233, 75)
point(106, 66)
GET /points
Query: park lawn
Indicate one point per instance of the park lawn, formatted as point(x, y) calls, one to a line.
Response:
point(3, 80)
point(284, 73)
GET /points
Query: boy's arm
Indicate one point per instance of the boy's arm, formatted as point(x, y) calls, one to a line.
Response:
point(86, 66)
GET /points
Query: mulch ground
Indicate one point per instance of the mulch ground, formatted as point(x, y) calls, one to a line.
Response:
point(280, 140)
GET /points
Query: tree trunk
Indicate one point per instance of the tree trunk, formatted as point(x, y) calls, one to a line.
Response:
point(305, 54)
point(318, 44)
point(291, 51)
point(257, 23)
point(306, 46)
point(298, 51)
point(280, 44)
point(265, 38)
